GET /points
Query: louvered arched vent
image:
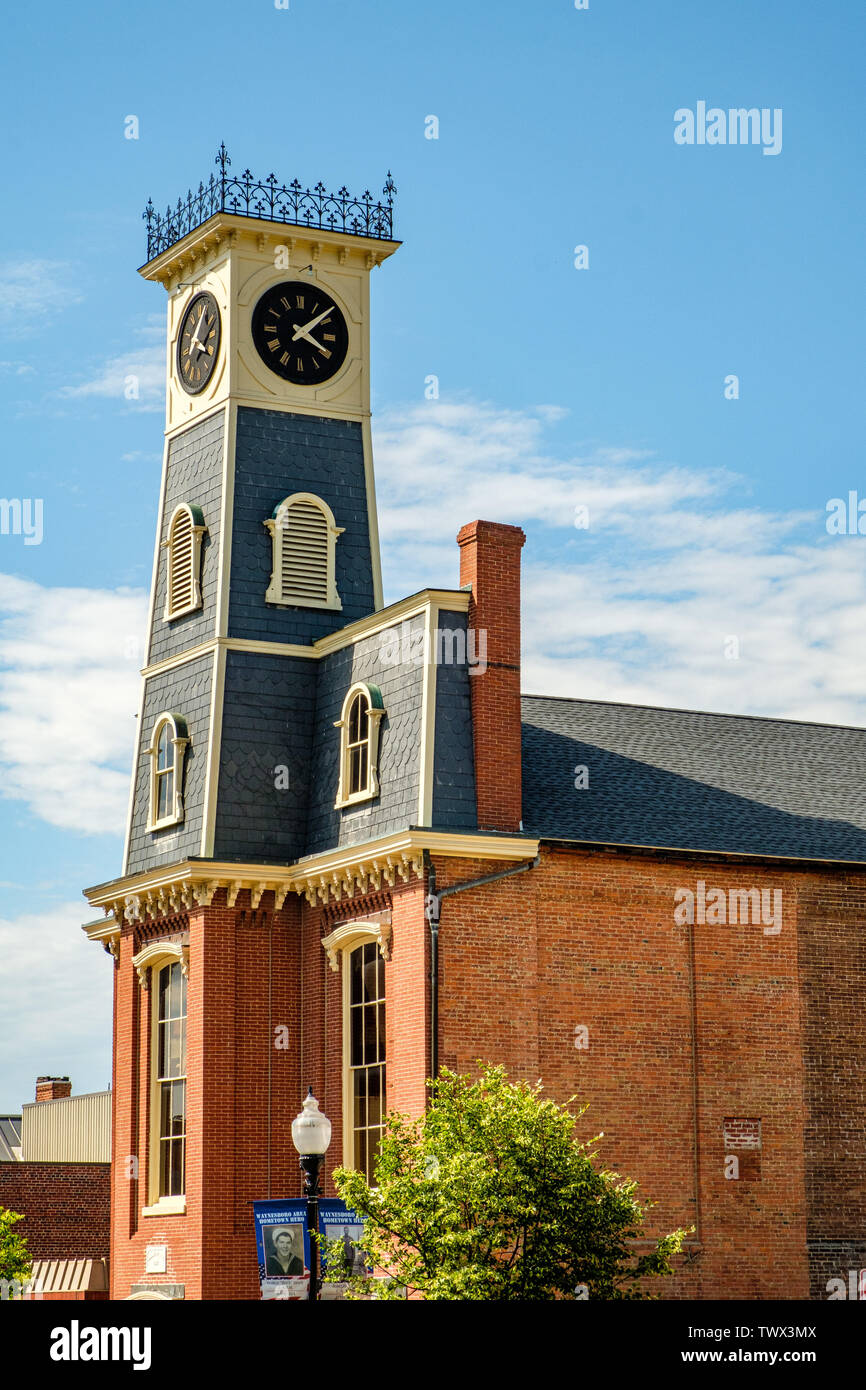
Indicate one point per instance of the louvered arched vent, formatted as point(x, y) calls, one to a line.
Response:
point(304, 536)
point(183, 590)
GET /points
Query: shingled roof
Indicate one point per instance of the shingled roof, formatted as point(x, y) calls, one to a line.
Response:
point(680, 779)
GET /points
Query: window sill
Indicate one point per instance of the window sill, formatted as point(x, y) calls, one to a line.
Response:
point(166, 1206)
point(181, 612)
point(357, 800)
point(164, 824)
point(300, 601)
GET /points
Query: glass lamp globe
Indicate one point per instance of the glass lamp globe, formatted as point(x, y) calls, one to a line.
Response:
point(311, 1130)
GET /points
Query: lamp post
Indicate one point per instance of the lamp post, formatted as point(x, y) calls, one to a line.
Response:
point(311, 1135)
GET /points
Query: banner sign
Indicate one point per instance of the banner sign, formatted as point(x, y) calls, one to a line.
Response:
point(283, 1246)
point(339, 1222)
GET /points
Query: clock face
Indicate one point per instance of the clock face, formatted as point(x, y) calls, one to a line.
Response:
point(198, 343)
point(300, 333)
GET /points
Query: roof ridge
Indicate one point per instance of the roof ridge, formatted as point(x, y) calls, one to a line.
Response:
point(710, 714)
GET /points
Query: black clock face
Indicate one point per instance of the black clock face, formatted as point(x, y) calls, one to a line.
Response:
point(300, 333)
point(198, 343)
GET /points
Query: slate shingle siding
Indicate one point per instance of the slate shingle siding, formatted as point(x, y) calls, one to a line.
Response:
point(194, 475)
point(268, 713)
point(184, 690)
point(278, 454)
point(453, 756)
point(689, 780)
point(396, 806)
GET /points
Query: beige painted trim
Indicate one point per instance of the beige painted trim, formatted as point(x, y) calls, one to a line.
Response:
point(133, 779)
point(452, 601)
point(157, 954)
point(428, 717)
point(339, 945)
point(198, 242)
point(167, 545)
point(215, 736)
point(372, 514)
point(153, 958)
point(399, 855)
point(375, 715)
point(166, 1206)
point(184, 425)
point(231, 644)
point(179, 743)
point(227, 519)
point(275, 593)
point(348, 935)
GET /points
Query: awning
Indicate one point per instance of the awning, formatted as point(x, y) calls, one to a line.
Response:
point(70, 1276)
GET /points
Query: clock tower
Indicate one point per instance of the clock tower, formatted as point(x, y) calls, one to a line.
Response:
point(268, 469)
point(301, 750)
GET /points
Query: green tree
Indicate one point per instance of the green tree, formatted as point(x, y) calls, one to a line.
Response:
point(15, 1262)
point(490, 1196)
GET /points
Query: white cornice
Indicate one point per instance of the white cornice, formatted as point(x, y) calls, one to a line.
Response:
point(452, 600)
point(335, 874)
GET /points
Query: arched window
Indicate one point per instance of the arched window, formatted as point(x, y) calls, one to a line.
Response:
point(360, 950)
point(166, 751)
point(162, 967)
point(304, 538)
point(359, 722)
point(183, 561)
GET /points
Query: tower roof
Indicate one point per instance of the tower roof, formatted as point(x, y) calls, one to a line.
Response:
point(292, 204)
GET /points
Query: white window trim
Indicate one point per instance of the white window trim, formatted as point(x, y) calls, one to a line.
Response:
point(274, 592)
point(153, 958)
point(180, 740)
point(339, 946)
point(196, 518)
point(375, 714)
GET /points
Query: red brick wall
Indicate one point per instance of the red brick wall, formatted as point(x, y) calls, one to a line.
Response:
point(832, 912)
point(490, 562)
point(589, 939)
point(689, 1029)
point(66, 1207)
point(230, 1045)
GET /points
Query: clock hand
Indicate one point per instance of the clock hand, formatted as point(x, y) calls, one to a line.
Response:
point(302, 332)
point(196, 341)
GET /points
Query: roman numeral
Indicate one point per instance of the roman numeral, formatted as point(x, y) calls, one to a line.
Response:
point(299, 301)
point(284, 359)
point(270, 328)
point(274, 344)
point(300, 366)
point(283, 300)
point(329, 337)
point(326, 352)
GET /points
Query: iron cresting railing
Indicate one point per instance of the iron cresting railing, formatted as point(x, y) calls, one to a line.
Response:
point(291, 203)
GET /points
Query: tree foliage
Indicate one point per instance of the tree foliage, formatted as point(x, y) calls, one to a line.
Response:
point(15, 1262)
point(490, 1196)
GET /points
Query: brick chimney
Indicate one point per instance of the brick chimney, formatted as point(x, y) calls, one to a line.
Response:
point(490, 562)
point(53, 1087)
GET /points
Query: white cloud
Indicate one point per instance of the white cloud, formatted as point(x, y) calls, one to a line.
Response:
point(638, 607)
point(31, 288)
point(69, 662)
point(136, 377)
point(55, 1001)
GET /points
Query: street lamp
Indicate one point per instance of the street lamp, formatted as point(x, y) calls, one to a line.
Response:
point(311, 1135)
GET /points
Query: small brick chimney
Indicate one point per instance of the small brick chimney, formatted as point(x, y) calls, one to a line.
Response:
point(53, 1087)
point(490, 562)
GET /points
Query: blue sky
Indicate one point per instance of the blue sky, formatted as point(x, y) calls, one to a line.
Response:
point(559, 387)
